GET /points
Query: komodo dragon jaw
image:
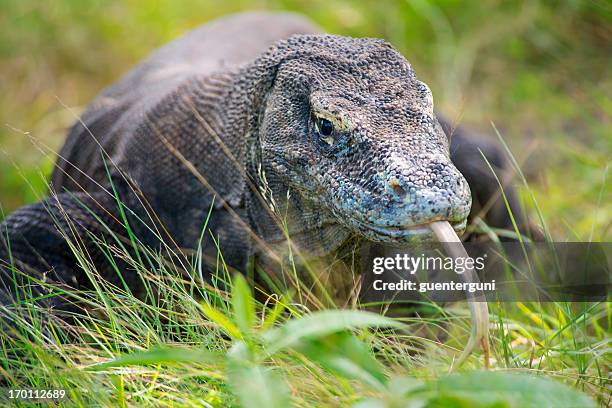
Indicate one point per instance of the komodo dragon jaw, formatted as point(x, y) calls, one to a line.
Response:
point(347, 125)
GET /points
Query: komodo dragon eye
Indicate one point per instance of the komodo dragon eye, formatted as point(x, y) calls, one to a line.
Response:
point(325, 127)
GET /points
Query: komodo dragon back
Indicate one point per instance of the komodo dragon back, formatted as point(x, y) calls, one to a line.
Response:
point(221, 45)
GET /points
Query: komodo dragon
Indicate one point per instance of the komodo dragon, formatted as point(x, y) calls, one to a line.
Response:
point(273, 128)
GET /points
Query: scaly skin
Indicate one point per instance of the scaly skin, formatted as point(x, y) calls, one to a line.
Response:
point(273, 126)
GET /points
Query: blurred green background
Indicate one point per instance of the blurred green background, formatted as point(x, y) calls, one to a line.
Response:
point(540, 71)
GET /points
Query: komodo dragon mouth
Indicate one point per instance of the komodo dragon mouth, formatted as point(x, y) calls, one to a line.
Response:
point(402, 233)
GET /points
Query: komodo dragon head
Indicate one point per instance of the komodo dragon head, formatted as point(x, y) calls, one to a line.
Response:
point(346, 124)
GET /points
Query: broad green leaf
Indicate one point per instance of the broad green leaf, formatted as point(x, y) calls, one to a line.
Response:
point(346, 355)
point(217, 317)
point(160, 356)
point(258, 387)
point(403, 384)
point(498, 389)
point(242, 301)
point(239, 351)
point(393, 402)
point(370, 403)
point(320, 324)
point(454, 401)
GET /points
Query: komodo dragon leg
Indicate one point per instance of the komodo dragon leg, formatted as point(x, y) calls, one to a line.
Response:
point(61, 239)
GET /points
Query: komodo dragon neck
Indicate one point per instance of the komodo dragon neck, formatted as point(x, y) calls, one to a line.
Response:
point(275, 208)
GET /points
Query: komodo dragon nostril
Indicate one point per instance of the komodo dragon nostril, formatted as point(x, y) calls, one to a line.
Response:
point(396, 187)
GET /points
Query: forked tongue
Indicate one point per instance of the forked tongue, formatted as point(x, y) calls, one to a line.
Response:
point(479, 310)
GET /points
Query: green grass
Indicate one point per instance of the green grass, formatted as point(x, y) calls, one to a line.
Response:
point(197, 344)
point(538, 71)
point(190, 342)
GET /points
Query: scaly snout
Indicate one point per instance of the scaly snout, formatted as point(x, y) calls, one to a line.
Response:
point(411, 197)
